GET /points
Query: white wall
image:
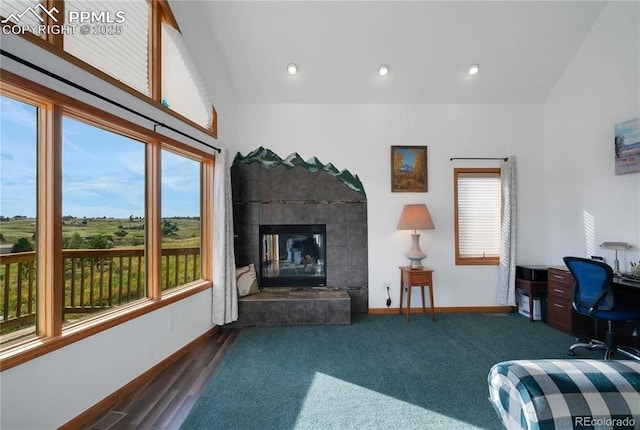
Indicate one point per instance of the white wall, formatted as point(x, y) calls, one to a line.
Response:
point(49, 391)
point(564, 151)
point(358, 138)
point(585, 203)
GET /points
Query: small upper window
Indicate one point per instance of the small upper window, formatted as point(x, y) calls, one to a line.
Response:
point(27, 13)
point(183, 90)
point(112, 36)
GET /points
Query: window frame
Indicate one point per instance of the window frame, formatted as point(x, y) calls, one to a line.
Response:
point(167, 148)
point(160, 13)
point(469, 261)
point(51, 335)
point(44, 160)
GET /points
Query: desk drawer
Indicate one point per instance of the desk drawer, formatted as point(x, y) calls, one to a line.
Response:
point(559, 313)
point(560, 284)
point(557, 276)
point(561, 291)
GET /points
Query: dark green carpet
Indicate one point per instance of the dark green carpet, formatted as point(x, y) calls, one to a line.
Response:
point(378, 373)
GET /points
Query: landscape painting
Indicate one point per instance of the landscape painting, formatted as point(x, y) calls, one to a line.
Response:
point(627, 146)
point(409, 169)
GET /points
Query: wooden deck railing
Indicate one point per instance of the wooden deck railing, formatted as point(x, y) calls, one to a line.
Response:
point(17, 276)
point(95, 279)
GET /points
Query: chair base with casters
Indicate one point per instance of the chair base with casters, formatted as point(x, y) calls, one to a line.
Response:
point(593, 296)
point(609, 346)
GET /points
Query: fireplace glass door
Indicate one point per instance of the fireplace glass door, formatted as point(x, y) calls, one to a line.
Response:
point(293, 255)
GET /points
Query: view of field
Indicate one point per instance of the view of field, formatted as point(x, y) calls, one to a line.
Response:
point(104, 266)
point(103, 175)
point(178, 232)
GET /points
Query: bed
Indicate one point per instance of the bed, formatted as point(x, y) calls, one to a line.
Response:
point(566, 394)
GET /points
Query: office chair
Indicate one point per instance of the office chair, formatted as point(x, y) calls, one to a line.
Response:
point(593, 296)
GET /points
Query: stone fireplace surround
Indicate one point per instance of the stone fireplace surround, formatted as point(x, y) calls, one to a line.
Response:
point(299, 195)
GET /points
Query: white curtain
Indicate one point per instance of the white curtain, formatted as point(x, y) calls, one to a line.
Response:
point(507, 269)
point(224, 304)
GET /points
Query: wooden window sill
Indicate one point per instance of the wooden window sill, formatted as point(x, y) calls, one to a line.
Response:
point(33, 348)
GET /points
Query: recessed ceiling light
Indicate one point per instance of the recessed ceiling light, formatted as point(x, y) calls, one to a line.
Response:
point(292, 69)
point(383, 70)
point(473, 69)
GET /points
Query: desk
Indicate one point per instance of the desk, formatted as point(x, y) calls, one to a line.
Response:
point(532, 289)
point(561, 315)
point(416, 278)
point(625, 283)
point(627, 332)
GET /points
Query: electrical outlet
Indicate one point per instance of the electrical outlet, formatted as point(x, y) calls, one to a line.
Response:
point(387, 286)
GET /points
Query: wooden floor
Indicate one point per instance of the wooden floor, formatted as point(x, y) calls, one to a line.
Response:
point(165, 401)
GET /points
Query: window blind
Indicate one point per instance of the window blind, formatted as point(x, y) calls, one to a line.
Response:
point(478, 215)
point(18, 7)
point(123, 56)
point(182, 87)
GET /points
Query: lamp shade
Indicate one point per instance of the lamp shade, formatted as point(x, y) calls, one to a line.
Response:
point(415, 217)
point(615, 245)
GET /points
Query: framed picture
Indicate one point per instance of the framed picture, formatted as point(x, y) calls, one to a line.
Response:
point(409, 169)
point(627, 146)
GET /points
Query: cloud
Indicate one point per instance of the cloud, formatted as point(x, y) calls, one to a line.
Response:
point(69, 144)
point(179, 173)
point(103, 172)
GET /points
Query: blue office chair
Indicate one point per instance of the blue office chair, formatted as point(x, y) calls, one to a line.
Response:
point(593, 296)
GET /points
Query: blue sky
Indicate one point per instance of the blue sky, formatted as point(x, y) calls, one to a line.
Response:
point(103, 172)
point(408, 157)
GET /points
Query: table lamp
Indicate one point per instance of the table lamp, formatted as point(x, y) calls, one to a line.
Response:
point(617, 246)
point(415, 217)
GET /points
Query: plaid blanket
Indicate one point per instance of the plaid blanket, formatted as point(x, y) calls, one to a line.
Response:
point(566, 394)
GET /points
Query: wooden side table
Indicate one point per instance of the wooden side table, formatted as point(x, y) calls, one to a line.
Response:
point(416, 278)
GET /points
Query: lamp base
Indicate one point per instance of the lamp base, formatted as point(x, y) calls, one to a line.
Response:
point(415, 254)
point(416, 264)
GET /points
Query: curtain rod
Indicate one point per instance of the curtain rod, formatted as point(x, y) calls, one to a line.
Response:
point(57, 77)
point(479, 158)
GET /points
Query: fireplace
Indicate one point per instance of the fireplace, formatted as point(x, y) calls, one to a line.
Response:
point(293, 255)
point(264, 194)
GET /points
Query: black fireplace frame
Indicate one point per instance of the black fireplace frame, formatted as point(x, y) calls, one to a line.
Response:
point(315, 280)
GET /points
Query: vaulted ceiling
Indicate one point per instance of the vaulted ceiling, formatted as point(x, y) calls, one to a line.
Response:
point(522, 48)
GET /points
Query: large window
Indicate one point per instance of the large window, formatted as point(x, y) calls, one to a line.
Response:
point(103, 223)
point(181, 231)
point(18, 219)
point(82, 220)
point(477, 197)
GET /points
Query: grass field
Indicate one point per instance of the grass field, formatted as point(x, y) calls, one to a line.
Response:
point(94, 283)
point(121, 233)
